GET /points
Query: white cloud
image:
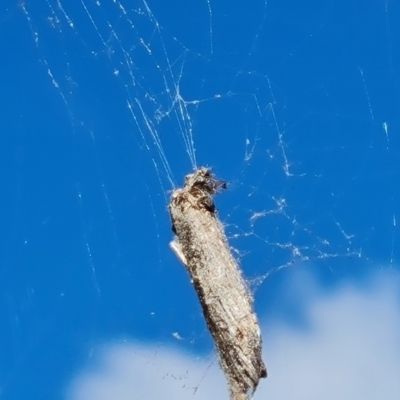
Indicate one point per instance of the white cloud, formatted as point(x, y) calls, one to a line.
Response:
point(349, 350)
point(138, 372)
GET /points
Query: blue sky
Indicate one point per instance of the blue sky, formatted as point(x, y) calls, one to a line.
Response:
point(107, 105)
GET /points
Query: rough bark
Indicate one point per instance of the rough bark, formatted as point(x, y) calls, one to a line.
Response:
point(227, 304)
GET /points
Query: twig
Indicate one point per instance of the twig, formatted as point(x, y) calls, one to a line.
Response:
point(227, 304)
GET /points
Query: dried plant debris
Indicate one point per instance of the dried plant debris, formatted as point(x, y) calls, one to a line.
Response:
point(227, 304)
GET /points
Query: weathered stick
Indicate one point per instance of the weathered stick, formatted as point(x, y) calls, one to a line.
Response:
point(227, 304)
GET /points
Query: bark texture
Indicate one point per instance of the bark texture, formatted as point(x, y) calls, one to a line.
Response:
point(227, 304)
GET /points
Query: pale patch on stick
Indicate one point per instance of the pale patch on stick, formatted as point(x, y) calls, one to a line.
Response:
point(201, 245)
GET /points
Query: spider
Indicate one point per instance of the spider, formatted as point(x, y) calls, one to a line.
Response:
point(203, 185)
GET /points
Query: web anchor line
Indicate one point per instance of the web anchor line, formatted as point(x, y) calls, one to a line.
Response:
point(202, 246)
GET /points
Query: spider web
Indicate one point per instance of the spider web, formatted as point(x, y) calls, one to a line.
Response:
point(139, 98)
